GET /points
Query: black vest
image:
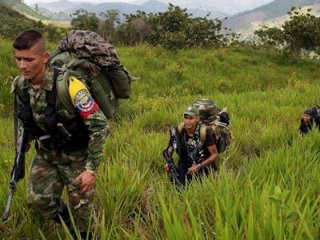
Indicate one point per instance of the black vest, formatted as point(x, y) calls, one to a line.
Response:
point(61, 133)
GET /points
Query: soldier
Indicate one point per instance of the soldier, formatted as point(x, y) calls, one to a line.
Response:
point(310, 118)
point(68, 145)
point(195, 157)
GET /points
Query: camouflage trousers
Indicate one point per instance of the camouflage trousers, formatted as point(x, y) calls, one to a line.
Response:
point(50, 172)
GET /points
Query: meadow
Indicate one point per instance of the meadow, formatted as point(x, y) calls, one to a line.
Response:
point(268, 186)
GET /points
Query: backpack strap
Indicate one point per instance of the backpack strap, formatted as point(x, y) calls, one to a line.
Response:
point(62, 85)
point(180, 127)
point(203, 132)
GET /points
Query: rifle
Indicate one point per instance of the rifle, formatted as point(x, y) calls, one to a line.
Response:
point(172, 167)
point(17, 172)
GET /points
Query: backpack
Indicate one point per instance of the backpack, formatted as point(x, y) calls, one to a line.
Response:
point(217, 119)
point(91, 58)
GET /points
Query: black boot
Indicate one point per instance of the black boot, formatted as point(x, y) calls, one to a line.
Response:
point(63, 214)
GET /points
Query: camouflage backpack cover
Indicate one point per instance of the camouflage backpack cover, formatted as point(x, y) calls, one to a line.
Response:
point(218, 120)
point(88, 56)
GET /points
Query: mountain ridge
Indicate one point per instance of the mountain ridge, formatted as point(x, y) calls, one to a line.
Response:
point(154, 6)
point(272, 10)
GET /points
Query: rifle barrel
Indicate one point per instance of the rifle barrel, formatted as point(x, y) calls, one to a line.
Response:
point(172, 168)
point(5, 215)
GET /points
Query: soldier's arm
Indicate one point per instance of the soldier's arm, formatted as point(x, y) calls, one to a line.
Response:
point(94, 120)
point(211, 146)
point(98, 129)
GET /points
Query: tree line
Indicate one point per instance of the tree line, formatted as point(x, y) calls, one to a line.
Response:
point(173, 29)
point(301, 32)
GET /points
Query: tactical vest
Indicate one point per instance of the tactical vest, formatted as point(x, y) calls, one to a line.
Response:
point(60, 133)
point(194, 150)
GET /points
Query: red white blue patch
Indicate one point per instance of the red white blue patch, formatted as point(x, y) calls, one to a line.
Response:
point(84, 103)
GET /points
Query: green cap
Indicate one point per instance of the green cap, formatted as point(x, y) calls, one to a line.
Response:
point(191, 111)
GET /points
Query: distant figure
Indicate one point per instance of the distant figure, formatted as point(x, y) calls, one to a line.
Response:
point(196, 156)
point(68, 146)
point(309, 120)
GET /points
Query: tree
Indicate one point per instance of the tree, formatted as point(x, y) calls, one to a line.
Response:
point(175, 29)
point(108, 25)
point(302, 31)
point(136, 28)
point(82, 19)
point(270, 37)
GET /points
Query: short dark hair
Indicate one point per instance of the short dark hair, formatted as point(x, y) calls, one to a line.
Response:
point(27, 39)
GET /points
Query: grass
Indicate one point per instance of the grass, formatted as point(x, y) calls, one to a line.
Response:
point(268, 186)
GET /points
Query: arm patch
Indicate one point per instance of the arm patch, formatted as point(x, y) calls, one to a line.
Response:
point(81, 98)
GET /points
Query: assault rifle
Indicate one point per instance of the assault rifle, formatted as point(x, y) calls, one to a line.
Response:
point(172, 168)
point(17, 172)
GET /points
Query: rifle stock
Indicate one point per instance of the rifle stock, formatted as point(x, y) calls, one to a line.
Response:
point(172, 167)
point(17, 172)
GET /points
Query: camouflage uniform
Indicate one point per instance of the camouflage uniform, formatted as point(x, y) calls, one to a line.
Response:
point(52, 169)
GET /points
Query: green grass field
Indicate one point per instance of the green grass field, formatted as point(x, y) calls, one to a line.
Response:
point(268, 187)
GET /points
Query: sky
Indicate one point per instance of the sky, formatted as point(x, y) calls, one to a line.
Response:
point(227, 6)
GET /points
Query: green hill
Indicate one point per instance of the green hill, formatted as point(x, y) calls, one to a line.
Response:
point(268, 186)
point(22, 8)
point(13, 22)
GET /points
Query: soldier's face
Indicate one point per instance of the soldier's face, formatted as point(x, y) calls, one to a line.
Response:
point(31, 62)
point(190, 122)
point(306, 117)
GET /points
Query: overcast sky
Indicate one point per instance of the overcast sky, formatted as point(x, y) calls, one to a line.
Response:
point(227, 6)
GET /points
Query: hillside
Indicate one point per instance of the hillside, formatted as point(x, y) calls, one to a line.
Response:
point(268, 185)
point(22, 8)
point(273, 10)
point(247, 33)
point(13, 22)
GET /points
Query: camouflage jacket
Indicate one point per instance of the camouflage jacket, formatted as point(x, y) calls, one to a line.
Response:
point(96, 122)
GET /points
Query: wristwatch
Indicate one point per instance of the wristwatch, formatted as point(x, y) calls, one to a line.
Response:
point(91, 172)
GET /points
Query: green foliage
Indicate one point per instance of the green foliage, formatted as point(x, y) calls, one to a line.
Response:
point(268, 186)
point(174, 29)
point(300, 32)
point(109, 23)
point(22, 8)
point(82, 19)
point(135, 29)
point(13, 23)
point(270, 37)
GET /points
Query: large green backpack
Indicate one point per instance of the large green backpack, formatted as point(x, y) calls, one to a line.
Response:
point(217, 119)
point(90, 57)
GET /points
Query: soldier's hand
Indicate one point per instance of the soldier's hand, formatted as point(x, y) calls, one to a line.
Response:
point(166, 168)
point(194, 168)
point(87, 181)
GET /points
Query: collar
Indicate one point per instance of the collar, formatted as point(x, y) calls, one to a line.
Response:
point(47, 82)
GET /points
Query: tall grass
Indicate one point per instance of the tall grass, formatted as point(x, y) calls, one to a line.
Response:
point(268, 186)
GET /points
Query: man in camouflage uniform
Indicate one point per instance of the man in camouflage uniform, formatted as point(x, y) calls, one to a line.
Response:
point(195, 158)
point(69, 146)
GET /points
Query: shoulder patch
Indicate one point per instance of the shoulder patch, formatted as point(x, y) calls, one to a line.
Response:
point(81, 98)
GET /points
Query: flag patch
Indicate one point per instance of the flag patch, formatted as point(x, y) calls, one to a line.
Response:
point(84, 103)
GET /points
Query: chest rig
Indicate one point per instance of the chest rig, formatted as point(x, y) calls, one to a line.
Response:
point(60, 133)
point(188, 148)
